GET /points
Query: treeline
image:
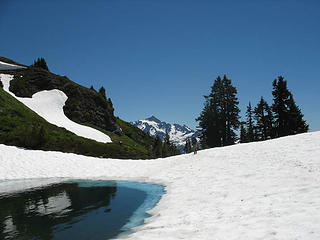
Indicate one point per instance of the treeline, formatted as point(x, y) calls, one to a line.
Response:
point(219, 120)
point(164, 149)
point(40, 63)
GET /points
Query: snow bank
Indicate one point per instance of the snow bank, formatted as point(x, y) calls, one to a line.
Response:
point(49, 105)
point(267, 190)
point(8, 66)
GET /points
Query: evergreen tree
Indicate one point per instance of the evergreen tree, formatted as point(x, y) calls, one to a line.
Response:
point(250, 124)
point(111, 108)
point(264, 121)
point(176, 150)
point(220, 116)
point(243, 133)
point(102, 92)
point(231, 117)
point(166, 151)
point(288, 117)
point(210, 126)
point(41, 63)
point(158, 147)
point(187, 147)
point(280, 98)
point(168, 148)
point(296, 123)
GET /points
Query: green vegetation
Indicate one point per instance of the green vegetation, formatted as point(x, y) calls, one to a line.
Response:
point(22, 127)
point(188, 146)
point(165, 148)
point(83, 105)
point(220, 116)
point(282, 118)
point(41, 63)
point(288, 116)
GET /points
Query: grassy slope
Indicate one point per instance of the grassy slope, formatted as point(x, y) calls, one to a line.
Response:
point(20, 126)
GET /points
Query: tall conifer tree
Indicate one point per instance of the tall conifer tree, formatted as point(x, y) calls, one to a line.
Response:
point(288, 117)
point(187, 147)
point(158, 147)
point(296, 123)
point(220, 116)
point(243, 133)
point(264, 120)
point(250, 124)
point(166, 147)
point(280, 98)
point(102, 92)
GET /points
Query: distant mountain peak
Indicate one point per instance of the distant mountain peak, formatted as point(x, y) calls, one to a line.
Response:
point(153, 119)
point(178, 134)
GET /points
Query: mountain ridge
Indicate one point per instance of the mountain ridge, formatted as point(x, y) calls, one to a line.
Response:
point(177, 133)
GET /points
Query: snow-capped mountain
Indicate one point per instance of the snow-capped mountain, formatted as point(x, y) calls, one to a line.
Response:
point(178, 134)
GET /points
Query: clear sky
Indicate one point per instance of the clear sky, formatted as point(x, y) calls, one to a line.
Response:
point(159, 57)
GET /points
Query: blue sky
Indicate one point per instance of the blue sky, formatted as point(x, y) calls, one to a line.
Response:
point(160, 57)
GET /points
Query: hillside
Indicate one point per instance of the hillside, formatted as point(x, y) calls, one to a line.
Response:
point(84, 106)
point(263, 190)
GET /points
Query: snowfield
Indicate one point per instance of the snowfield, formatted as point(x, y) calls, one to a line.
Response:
point(255, 191)
point(49, 105)
point(8, 66)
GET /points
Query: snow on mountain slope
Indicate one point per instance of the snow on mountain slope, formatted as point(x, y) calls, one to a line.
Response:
point(178, 134)
point(49, 105)
point(8, 66)
point(263, 190)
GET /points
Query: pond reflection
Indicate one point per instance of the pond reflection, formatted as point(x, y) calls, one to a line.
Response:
point(71, 210)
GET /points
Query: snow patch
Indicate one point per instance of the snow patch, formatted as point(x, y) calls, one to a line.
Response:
point(49, 105)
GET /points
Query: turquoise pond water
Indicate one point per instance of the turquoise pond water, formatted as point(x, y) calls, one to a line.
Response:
point(79, 209)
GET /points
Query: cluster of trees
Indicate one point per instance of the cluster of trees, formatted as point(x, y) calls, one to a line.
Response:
point(219, 119)
point(282, 118)
point(165, 148)
point(102, 93)
point(40, 63)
